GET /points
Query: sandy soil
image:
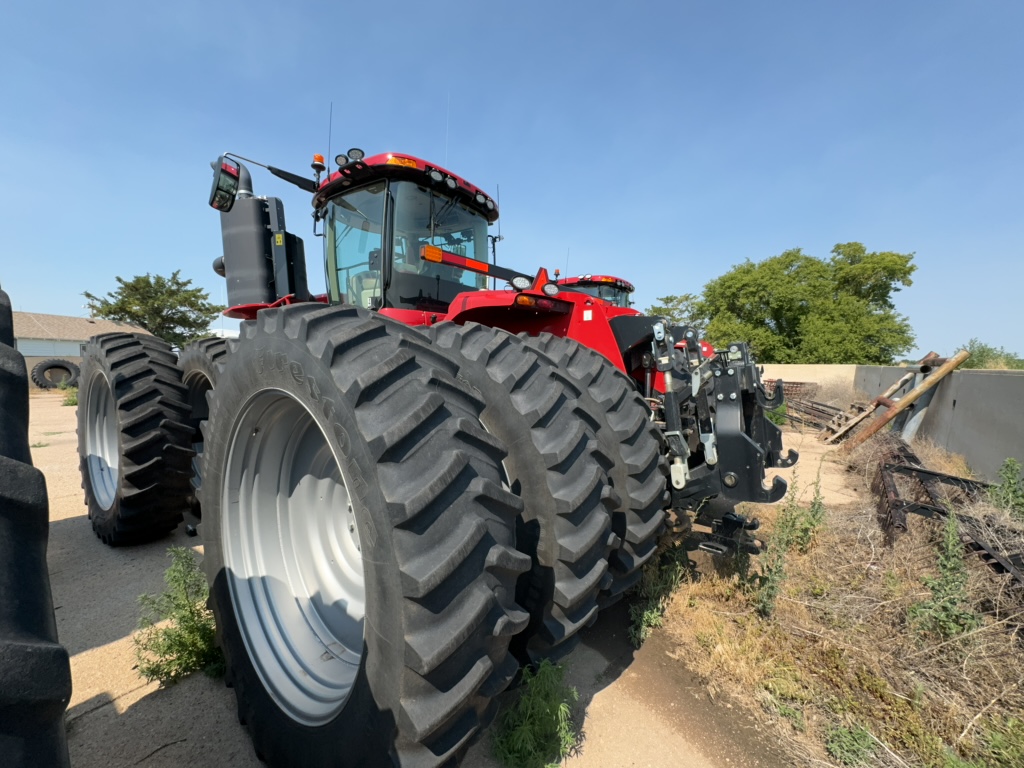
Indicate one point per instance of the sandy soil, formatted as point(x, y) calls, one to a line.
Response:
point(639, 708)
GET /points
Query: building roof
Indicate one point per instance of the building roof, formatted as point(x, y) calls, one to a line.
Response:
point(32, 325)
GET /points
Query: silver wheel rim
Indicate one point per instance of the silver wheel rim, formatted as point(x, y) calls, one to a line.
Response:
point(101, 441)
point(292, 557)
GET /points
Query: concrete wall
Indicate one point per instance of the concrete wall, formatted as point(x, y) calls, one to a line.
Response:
point(819, 374)
point(978, 414)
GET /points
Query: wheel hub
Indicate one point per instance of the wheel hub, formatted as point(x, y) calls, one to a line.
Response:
point(292, 556)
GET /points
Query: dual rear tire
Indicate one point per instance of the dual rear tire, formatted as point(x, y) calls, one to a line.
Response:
point(198, 363)
point(556, 466)
point(359, 542)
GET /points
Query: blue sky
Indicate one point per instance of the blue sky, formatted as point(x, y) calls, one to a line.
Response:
point(663, 142)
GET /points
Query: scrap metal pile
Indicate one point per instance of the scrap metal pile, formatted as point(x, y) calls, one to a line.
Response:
point(904, 485)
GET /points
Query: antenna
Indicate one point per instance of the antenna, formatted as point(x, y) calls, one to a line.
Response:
point(330, 126)
point(447, 120)
point(499, 238)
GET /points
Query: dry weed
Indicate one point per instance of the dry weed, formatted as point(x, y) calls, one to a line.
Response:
point(939, 459)
point(839, 393)
point(840, 653)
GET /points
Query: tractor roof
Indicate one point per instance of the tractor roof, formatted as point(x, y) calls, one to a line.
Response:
point(401, 166)
point(616, 282)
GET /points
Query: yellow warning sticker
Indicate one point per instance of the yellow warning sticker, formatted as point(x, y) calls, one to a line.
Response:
point(279, 239)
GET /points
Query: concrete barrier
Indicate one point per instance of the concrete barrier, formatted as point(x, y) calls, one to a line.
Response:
point(977, 414)
point(829, 378)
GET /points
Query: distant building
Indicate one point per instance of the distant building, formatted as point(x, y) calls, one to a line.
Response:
point(39, 337)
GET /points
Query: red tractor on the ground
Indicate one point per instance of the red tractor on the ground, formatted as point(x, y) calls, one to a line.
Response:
point(412, 485)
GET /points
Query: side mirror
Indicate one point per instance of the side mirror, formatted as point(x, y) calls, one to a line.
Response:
point(225, 184)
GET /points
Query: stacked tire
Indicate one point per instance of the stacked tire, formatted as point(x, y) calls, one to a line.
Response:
point(35, 673)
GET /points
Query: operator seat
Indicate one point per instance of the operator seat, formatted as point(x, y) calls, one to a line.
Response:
point(363, 286)
point(404, 263)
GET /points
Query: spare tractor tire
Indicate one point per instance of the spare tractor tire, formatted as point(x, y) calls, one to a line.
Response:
point(358, 541)
point(134, 440)
point(54, 373)
point(626, 432)
point(35, 673)
point(556, 467)
point(198, 363)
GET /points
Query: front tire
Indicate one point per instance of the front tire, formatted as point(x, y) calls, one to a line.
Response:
point(133, 437)
point(358, 542)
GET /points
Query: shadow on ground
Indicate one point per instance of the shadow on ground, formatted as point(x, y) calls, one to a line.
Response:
point(193, 723)
point(96, 587)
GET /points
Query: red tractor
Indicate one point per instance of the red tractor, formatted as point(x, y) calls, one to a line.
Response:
point(412, 485)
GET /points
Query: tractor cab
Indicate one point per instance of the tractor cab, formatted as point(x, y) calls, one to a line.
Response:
point(613, 290)
point(392, 227)
point(385, 220)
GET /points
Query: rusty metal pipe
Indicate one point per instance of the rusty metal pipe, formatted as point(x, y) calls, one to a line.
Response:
point(905, 402)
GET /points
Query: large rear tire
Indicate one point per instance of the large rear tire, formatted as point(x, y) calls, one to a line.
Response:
point(626, 432)
point(198, 363)
point(358, 542)
point(133, 437)
point(556, 467)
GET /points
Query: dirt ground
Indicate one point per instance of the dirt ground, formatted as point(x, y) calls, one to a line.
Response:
point(639, 708)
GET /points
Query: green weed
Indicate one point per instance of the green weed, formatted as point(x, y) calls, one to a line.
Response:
point(70, 396)
point(850, 746)
point(176, 630)
point(947, 613)
point(1001, 742)
point(537, 731)
point(793, 715)
point(777, 415)
point(1008, 493)
point(810, 522)
point(794, 529)
point(38, 445)
point(661, 577)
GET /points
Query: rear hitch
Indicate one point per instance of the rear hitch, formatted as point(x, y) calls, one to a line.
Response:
point(730, 534)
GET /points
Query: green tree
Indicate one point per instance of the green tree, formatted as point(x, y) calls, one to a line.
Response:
point(796, 308)
point(680, 310)
point(993, 358)
point(165, 306)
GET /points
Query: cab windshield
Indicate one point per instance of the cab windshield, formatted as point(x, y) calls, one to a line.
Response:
point(609, 293)
point(373, 240)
